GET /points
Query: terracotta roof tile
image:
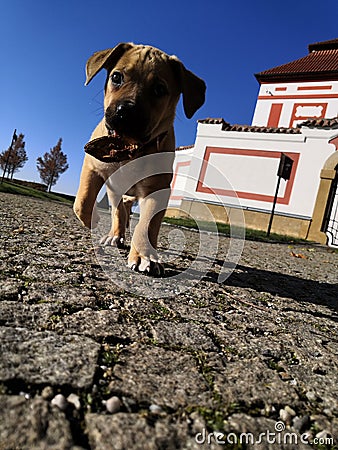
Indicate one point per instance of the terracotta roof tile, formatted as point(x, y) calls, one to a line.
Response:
point(320, 123)
point(321, 63)
point(184, 147)
point(248, 128)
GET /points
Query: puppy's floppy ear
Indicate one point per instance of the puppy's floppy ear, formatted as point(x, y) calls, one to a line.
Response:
point(104, 59)
point(192, 87)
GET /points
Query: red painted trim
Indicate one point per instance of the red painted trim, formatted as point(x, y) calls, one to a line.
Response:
point(293, 97)
point(313, 88)
point(282, 97)
point(178, 165)
point(280, 89)
point(247, 195)
point(334, 141)
point(176, 197)
point(275, 113)
point(297, 105)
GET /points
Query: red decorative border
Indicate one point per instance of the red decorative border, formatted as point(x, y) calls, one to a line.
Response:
point(247, 195)
point(275, 113)
point(297, 118)
point(334, 141)
point(313, 88)
point(295, 97)
point(178, 165)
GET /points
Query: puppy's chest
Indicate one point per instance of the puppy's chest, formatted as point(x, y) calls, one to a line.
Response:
point(124, 178)
point(108, 169)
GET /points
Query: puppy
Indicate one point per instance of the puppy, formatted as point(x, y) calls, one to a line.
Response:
point(141, 92)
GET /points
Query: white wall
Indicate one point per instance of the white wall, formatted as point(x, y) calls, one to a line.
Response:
point(246, 163)
point(181, 170)
point(321, 98)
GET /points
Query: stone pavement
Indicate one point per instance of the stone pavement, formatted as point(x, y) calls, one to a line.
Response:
point(248, 363)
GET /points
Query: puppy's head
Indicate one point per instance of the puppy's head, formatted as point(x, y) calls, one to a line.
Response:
point(142, 89)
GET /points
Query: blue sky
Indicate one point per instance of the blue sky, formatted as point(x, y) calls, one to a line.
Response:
point(44, 46)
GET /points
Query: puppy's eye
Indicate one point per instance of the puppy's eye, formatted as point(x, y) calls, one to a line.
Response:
point(117, 78)
point(160, 89)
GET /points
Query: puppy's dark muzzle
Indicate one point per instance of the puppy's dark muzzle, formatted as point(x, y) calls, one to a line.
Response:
point(127, 119)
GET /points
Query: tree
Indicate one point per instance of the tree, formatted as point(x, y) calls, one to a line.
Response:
point(52, 165)
point(15, 157)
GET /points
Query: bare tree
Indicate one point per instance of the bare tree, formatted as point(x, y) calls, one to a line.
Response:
point(14, 158)
point(52, 165)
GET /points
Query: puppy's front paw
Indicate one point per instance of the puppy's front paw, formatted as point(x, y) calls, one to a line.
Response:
point(114, 241)
point(145, 265)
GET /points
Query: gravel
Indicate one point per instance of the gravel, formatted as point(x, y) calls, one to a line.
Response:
point(89, 363)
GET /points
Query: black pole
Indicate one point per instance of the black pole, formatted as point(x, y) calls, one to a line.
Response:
point(14, 138)
point(273, 206)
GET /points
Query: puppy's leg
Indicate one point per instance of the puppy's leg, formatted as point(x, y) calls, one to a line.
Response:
point(143, 254)
point(128, 204)
point(117, 233)
point(85, 202)
point(120, 214)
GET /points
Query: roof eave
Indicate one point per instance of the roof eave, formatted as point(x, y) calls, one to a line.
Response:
point(325, 45)
point(296, 76)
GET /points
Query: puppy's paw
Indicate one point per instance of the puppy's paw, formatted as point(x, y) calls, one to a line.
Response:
point(146, 266)
point(114, 241)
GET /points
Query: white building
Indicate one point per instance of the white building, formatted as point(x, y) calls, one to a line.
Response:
point(302, 89)
point(233, 166)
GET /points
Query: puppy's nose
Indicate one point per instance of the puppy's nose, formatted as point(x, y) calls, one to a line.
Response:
point(127, 118)
point(124, 113)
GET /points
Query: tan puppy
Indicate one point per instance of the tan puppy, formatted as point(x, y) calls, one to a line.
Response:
point(141, 92)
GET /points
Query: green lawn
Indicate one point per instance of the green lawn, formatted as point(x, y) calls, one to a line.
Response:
point(12, 188)
point(255, 235)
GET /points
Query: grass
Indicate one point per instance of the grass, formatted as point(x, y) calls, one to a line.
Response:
point(250, 234)
point(12, 188)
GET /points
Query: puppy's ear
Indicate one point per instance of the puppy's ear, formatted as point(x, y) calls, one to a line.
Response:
point(104, 59)
point(192, 87)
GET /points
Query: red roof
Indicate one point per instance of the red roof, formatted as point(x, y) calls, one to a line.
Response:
point(317, 123)
point(325, 45)
point(226, 126)
point(320, 64)
point(320, 123)
point(184, 147)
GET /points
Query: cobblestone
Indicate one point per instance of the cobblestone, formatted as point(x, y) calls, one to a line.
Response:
point(227, 358)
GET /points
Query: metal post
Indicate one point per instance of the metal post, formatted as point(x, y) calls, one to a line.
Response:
point(14, 138)
point(273, 207)
point(284, 171)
